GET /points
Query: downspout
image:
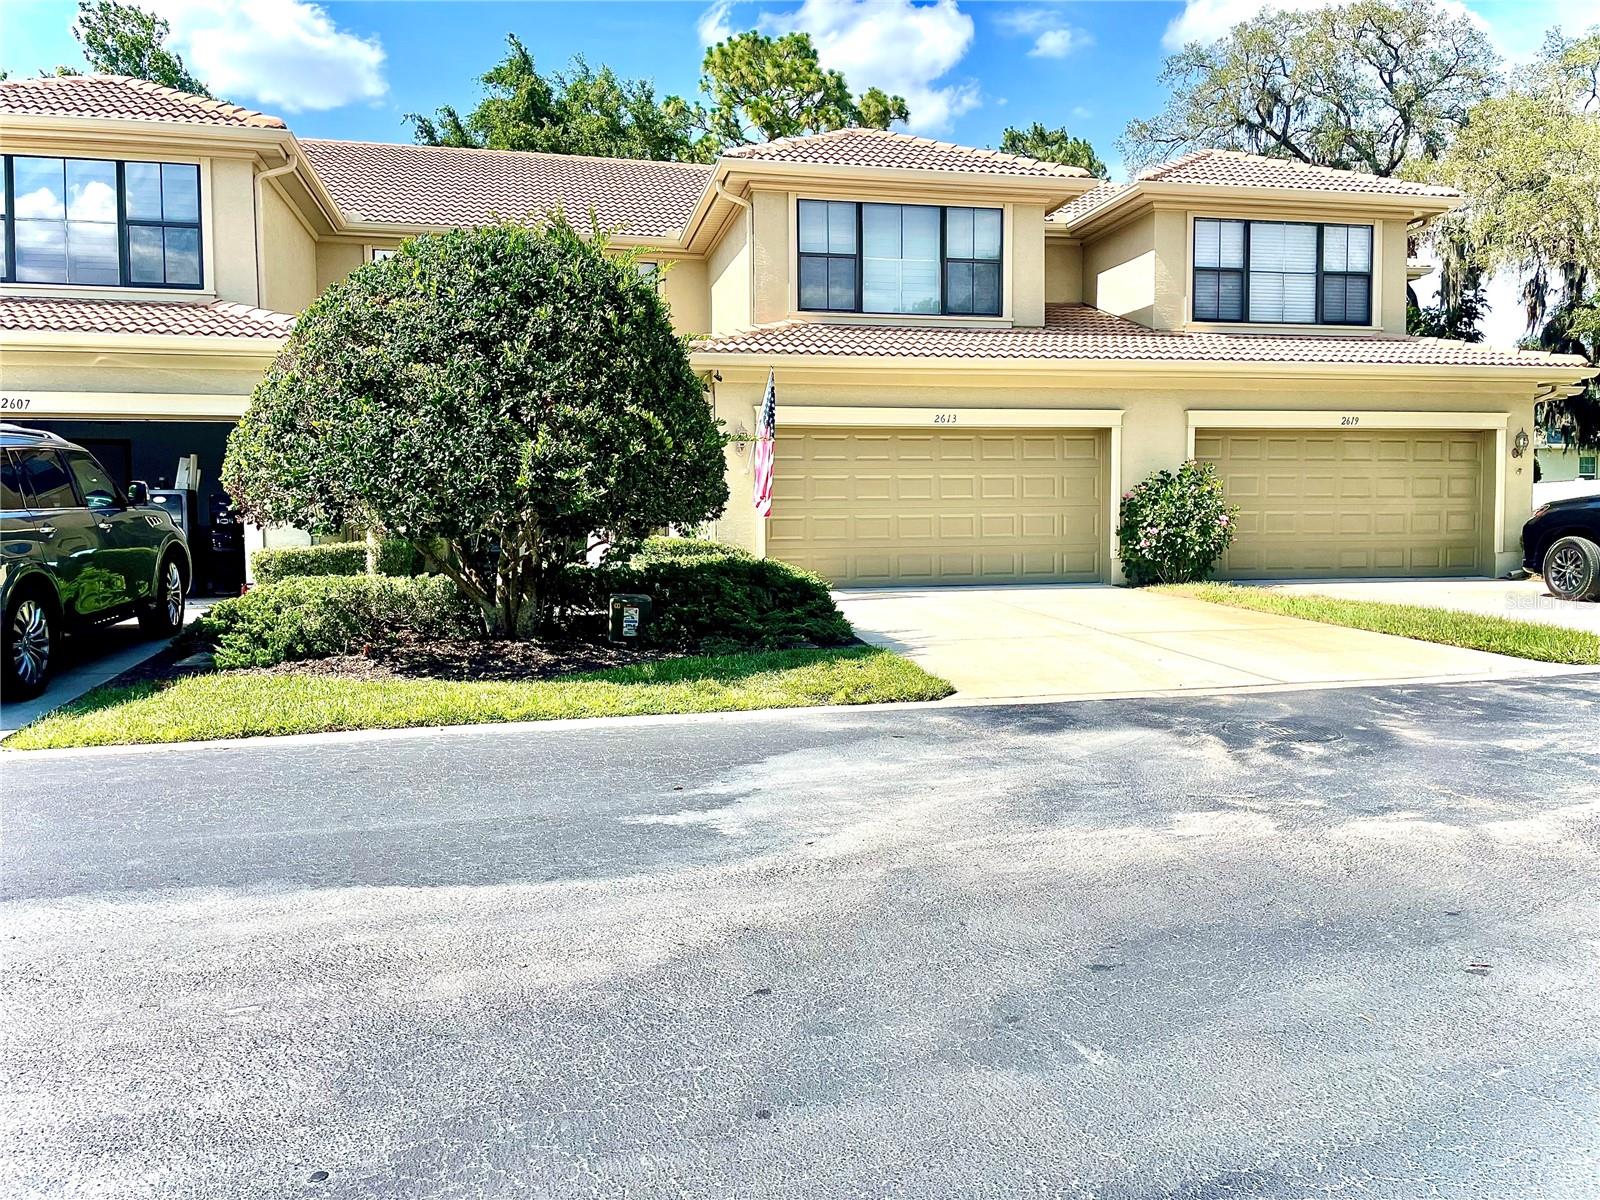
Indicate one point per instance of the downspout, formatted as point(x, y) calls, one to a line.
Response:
point(288, 165)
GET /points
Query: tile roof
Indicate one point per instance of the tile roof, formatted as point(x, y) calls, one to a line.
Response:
point(392, 183)
point(886, 148)
point(176, 318)
point(1090, 200)
point(1231, 168)
point(119, 97)
point(1078, 331)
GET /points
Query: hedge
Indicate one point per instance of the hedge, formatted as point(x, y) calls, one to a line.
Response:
point(396, 556)
point(710, 596)
point(320, 616)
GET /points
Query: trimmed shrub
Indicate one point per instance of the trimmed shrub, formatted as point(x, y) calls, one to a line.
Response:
point(396, 556)
point(711, 596)
point(1174, 525)
point(671, 549)
point(320, 616)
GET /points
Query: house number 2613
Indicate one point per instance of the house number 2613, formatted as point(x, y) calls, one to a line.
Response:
point(944, 418)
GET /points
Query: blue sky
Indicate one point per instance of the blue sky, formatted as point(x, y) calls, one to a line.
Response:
point(969, 68)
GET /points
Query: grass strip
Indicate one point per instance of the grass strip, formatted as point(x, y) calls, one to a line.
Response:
point(233, 704)
point(1448, 627)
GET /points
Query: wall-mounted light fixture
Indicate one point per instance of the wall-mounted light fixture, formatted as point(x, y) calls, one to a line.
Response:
point(1519, 444)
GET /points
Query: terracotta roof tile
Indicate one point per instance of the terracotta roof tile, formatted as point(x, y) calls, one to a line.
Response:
point(119, 97)
point(886, 148)
point(1235, 169)
point(1090, 200)
point(175, 318)
point(1077, 331)
point(398, 184)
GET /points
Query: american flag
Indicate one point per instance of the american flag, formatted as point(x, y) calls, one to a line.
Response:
point(762, 459)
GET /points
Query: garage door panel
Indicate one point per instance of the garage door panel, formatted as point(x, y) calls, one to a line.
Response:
point(973, 507)
point(1394, 503)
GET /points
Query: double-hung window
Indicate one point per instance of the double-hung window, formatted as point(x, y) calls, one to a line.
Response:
point(910, 259)
point(100, 223)
point(1282, 272)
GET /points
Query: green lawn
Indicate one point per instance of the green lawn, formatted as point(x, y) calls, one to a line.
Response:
point(1473, 631)
point(230, 704)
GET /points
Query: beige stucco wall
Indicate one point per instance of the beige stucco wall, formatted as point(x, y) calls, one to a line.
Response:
point(1390, 240)
point(1155, 424)
point(335, 260)
point(1063, 272)
point(728, 273)
point(1027, 264)
point(233, 230)
point(1119, 270)
point(289, 258)
point(772, 256)
point(684, 288)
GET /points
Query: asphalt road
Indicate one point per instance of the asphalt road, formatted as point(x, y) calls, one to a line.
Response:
point(1315, 944)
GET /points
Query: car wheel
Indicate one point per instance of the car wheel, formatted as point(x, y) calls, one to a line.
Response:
point(1572, 569)
point(163, 616)
point(30, 647)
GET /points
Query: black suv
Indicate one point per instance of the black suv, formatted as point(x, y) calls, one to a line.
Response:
point(1561, 541)
point(77, 553)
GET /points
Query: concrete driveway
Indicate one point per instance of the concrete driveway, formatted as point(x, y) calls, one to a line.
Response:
point(1091, 640)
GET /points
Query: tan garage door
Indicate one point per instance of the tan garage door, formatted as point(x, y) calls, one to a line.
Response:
point(874, 506)
point(1350, 503)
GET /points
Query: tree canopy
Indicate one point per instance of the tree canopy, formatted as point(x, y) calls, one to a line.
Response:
point(121, 39)
point(1053, 145)
point(756, 88)
point(760, 88)
point(577, 111)
point(1528, 162)
point(1364, 86)
point(495, 396)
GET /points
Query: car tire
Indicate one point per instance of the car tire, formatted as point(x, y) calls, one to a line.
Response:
point(32, 637)
point(163, 616)
point(1572, 569)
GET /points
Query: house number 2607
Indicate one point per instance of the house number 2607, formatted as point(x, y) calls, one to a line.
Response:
point(944, 418)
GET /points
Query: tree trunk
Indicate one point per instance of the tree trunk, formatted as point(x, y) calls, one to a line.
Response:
point(372, 551)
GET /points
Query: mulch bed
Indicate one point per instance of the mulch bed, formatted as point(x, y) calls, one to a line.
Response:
point(468, 659)
point(409, 657)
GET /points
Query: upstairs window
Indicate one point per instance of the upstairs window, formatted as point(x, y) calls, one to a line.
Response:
point(1282, 272)
point(100, 223)
point(905, 259)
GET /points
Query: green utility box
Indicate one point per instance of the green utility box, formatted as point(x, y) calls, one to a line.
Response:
point(628, 616)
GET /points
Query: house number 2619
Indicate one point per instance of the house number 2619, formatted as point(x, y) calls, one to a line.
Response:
point(1349, 420)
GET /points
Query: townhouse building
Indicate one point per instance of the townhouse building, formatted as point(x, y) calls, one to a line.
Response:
point(975, 353)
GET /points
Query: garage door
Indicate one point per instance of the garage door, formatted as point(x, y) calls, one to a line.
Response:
point(875, 506)
point(1347, 503)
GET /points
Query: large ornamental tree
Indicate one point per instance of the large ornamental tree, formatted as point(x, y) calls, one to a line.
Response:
point(496, 397)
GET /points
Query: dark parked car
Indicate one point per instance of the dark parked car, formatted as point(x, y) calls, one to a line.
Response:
point(77, 553)
point(1561, 541)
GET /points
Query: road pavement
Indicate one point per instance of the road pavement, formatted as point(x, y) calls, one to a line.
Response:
point(1308, 944)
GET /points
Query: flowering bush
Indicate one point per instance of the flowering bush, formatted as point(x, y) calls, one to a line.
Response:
point(1174, 526)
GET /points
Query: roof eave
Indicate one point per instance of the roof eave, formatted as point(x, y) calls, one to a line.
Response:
point(1149, 192)
point(71, 129)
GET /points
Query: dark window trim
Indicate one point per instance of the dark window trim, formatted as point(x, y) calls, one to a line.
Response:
point(124, 224)
point(859, 256)
point(1321, 274)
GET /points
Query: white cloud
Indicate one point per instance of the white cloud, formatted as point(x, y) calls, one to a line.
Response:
point(713, 25)
point(1052, 36)
point(1082, 113)
point(1057, 43)
point(284, 55)
point(904, 48)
